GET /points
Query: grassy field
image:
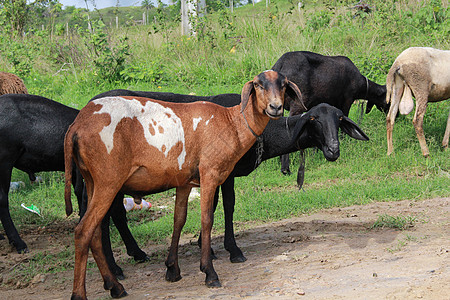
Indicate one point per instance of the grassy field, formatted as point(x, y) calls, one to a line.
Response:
point(228, 51)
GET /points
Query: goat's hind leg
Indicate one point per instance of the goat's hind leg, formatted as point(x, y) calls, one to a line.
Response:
point(89, 226)
point(119, 216)
point(180, 213)
point(447, 133)
point(110, 282)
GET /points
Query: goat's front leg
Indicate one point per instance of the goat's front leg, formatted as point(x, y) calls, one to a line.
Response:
point(421, 107)
point(5, 216)
point(180, 213)
point(229, 197)
point(207, 219)
point(199, 241)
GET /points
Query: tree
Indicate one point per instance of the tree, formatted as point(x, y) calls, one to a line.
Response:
point(13, 15)
point(147, 4)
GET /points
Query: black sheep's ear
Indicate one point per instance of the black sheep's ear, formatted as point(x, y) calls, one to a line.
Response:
point(299, 128)
point(294, 92)
point(247, 90)
point(369, 107)
point(353, 130)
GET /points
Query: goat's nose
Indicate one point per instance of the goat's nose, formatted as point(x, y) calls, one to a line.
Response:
point(276, 107)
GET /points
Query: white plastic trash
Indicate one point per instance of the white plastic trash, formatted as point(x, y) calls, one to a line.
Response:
point(131, 205)
point(15, 186)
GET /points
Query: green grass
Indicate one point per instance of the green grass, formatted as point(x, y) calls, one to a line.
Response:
point(397, 222)
point(205, 66)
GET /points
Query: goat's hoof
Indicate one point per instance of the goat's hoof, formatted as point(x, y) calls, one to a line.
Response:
point(213, 283)
point(238, 259)
point(23, 251)
point(173, 276)
point(2, 237)
point(142, 259)
point(118, 292)
point(286, 172)
point(76, 297)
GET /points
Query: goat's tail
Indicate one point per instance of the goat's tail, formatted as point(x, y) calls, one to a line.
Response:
point(390, 79)
point(398, 92)
point(68, 166)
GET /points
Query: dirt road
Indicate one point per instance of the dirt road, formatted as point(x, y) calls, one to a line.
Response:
point(331, 254)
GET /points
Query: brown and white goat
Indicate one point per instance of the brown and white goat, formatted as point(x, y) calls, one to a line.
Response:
point(424, 73)
point(139, 146)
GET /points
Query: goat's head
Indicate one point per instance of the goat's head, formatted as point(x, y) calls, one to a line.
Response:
point(268, 90)
point(321, 124)
point(378, 98)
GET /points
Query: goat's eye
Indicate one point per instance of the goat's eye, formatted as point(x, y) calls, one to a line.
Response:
point(341, 118)
point(312, 118)
point(258, 86)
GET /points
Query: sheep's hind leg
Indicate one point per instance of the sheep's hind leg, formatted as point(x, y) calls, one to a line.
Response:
point(390, 118)
point(421, 107)
point(180, 213)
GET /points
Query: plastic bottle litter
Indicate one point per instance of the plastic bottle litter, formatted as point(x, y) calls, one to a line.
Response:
point(15, 186)
point(195, 194)
point(131, 205)
point(33, 208)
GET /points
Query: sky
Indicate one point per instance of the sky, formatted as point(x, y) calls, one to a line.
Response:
point(102, 3)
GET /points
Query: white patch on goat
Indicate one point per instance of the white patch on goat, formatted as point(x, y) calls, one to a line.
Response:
point(209, 119)
point(195, 122)
point(167, 126)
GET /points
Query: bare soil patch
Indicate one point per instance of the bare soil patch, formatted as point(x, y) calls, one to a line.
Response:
point(331, 254)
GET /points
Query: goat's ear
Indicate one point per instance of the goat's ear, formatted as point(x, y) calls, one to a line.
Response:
point(299, 128)
point(353, 130)
point(247, 90)
point(294, 92)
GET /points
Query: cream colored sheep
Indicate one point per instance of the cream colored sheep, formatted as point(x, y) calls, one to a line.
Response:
point(425, 74)
point(11, 84)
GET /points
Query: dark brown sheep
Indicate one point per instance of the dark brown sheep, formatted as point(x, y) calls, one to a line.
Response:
point(11, 84)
